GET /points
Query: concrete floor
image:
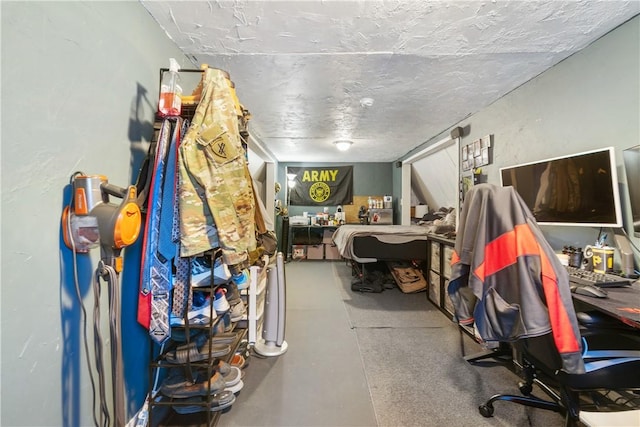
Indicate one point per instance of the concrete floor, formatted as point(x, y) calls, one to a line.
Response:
point(364, 359)
point(320, 380)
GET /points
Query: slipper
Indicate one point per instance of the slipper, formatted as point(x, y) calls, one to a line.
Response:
point(192, 353)
point(217, 402)
point(224, 338)
point(200, 339)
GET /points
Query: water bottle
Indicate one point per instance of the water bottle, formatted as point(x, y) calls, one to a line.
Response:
point(170, 103)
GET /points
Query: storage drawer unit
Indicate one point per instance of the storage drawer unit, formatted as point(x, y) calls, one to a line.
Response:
point(446, 261)
point(435, 256)
point(439, 267)
point(434, 287)
point(309, 241)
point(447, 304)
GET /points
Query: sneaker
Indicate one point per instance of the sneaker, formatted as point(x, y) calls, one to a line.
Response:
point(199, 268)
point(241, 279)
point(229, 328)
point(243, 349)
point(232, 294)
point(235, 388)
point(238, 361)
point(221, 304)
point(201, 272)
point(200, 313)
point(177, 385)
point(223, 325)
point(238, 310)
point(231, 374)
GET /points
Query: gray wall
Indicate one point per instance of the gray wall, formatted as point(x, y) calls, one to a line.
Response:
point(79, 86)
point(590, 100)
point(79, 91)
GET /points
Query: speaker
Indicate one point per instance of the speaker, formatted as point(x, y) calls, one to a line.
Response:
point(398, 164)
point(456, 132)
point(626, 253)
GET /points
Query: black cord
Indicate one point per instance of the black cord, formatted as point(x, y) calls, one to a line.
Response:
point(79, 296)
point(73, 178)
point(97, 344)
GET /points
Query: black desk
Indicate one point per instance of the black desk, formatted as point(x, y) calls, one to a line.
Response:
point(311, 235)
point(623, 303)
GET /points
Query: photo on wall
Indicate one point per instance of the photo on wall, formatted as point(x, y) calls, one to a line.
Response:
point(478, 153)
point(485, 156)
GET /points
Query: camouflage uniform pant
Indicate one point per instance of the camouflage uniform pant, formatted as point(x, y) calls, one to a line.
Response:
point(214, 191)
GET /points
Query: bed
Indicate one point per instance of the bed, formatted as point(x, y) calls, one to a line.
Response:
point(364, 245)
point(373, 243)
point(395, 245)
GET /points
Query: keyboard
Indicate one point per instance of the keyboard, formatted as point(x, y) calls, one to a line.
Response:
point(603, 280)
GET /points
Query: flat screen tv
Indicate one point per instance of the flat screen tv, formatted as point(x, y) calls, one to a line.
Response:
point(576, 190)
point(631, 157)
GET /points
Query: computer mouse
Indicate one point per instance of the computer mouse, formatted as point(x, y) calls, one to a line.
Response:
point(590, 291)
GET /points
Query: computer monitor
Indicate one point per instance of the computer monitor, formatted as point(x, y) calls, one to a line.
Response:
point(576, 190)
point(631, 158)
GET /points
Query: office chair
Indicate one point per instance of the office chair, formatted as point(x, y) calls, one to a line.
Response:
point(570, 392)
point(607, 334)
point(508, 283)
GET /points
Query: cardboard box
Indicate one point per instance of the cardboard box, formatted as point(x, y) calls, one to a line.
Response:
point(408, 278)
point(315, 251)
point(331, 252)
point(298, 252)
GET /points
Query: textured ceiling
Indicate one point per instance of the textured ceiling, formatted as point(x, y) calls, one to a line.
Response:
point(303, 68)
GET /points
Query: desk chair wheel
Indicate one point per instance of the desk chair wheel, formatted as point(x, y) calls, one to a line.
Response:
point(525, 388)
point(486, 410)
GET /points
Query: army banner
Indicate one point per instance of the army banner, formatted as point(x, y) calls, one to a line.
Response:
point(322, 186)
